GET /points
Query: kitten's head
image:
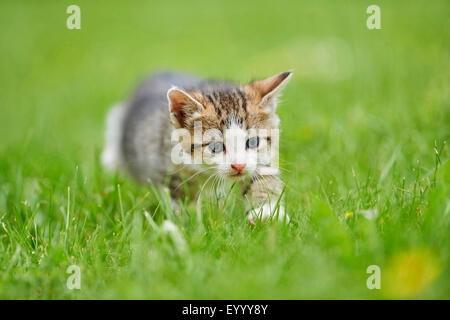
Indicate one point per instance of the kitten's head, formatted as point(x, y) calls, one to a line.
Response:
point(230, 128)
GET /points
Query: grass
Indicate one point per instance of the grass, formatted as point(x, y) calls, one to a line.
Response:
point(365, 128)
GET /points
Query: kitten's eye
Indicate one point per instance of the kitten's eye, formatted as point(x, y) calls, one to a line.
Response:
point(216, 147)
point(253, 142)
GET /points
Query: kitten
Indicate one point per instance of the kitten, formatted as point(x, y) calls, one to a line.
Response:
point(155, 134)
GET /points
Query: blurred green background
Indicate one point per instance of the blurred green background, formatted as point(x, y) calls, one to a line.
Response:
point(365, 122)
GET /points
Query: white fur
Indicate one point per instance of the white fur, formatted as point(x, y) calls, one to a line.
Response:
point(235, 140)
point(268, 212)
point(112, 156)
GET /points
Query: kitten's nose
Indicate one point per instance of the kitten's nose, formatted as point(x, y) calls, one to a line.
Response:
point(238, 167)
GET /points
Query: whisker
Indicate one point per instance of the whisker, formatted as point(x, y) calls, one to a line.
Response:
point(192, 176)
point(182, 167)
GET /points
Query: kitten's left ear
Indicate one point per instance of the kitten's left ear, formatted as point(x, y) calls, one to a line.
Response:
point(182, 107)
point(268, 90)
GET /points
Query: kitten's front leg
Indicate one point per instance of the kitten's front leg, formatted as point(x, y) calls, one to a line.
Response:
point(265, 200)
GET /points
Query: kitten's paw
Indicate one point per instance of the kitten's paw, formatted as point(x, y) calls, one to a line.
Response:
point(175, 206)
point(267, 213)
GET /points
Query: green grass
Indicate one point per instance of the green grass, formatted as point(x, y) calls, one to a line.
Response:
point(365, 122)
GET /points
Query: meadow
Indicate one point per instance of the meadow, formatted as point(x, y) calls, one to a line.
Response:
point(365, 127)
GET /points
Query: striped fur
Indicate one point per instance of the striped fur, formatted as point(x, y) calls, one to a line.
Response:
point(139, 141)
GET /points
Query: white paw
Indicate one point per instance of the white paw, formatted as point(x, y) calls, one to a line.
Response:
point(268, 213)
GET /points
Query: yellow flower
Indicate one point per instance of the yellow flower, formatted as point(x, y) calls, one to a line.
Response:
point(410, 272)
point(348, 214)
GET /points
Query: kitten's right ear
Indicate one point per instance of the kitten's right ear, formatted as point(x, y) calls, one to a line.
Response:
point(268, 90)
point(182, 107)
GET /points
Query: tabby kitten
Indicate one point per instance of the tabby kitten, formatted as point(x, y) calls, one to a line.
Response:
point(178, 122)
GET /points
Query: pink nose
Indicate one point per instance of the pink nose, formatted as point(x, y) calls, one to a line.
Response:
point(238, 167)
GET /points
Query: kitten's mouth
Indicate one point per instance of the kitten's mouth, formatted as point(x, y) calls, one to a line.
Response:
point(237, 175)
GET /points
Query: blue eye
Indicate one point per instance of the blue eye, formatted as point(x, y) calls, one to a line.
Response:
point(253, 142)
point(216, 147)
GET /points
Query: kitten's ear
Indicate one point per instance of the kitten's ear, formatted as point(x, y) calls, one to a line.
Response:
point(268, 90)
point(182, 106)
